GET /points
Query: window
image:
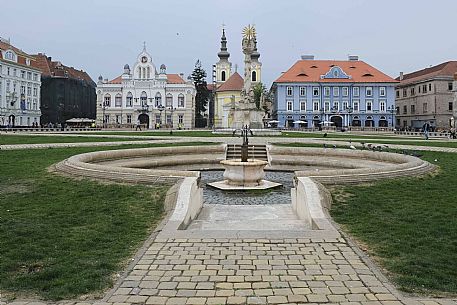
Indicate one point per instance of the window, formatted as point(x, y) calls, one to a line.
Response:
point(129, 101)
point(144, 99)
point(107, 100)
point(336, 91)
point(223, 76)
point(180, 119)
point(430, 87)
point(254, 76)
point(181, 100)
point(326, 91)
point(412, 91)
point(355, 105)
point(326, 105)
point(35, 77)
point(356, 91)
point(22, 89)
point(382, 106)
point(302, 105)
point(302, 91)
point(449, 86)
point(35, 91)
point(29, 91)
point(424, 107)
point(451, 106)
point(315, 91)
point(169, 119)
point(398, 93)
point(405, 109)
point(129, 119)
point(369, 91)
point(404, 92)
point(315, 105)
point(345, 91)
point(424, 88)
point(345, 105)
point(419, 87)
point(289, 91)
point(169, 100)
point(413, 109)
point(22, 74)
point(158, 120)
point(336, 106)
point(118, 119)
point(118, 100)
point(158, 99)
point(289, 105)
point(106, 118)
point(9, 55)
point(369, 105)
point(29, 75)
point(382, 91)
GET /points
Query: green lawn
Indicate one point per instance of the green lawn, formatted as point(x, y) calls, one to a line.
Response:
point(176, 133)
point(60, 237)
point(26, 139)
point(408, 225)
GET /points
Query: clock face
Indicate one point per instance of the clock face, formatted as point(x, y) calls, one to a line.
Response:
point(144, 59)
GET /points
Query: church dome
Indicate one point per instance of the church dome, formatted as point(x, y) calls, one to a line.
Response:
point(126, 66)
point(162, 66)
point(100, 78)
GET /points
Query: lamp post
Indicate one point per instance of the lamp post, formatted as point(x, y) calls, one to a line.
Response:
point(349, 111)
point(161, 108)
point(391, 109)
point(171, 110)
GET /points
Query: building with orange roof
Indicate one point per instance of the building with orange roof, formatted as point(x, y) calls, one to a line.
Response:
point(427, 96)
point(19, 87)
point(341, 93)
point(66, 92)
point(146, 96)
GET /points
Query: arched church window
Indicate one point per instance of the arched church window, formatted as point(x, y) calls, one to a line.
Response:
point(158, 99)
point(143, 98)
point(254, 76)
point(169, 100)
point(223, 76)
point(118, 100)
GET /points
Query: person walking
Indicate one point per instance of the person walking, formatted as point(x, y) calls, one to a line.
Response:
point(426, 129)
point(138, 125)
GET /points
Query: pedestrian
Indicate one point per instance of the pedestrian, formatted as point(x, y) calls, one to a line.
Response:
point(426, 129)
point(138, 125)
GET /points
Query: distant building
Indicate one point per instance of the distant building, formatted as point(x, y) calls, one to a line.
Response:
point(66, 92)
point(229, 85)
point(426, 96)
point(348, 93)
point(147, 96)
point(19, 87)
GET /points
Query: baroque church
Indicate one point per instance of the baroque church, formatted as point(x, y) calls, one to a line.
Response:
point(229, 84)
point(147, 96)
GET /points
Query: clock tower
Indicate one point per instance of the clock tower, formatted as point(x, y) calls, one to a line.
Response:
point(223, 66)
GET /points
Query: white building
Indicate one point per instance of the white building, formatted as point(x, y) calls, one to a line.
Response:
point(20, 81)
point(145, 95)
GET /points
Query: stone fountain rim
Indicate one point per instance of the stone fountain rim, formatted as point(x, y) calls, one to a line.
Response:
point(238, 162)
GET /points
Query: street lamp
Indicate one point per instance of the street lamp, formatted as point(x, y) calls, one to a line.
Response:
point(171, 110)
point(161, 108)
point(391, 109)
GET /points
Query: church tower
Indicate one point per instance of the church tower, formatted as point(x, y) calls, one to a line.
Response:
point(256, 65)
point(223, 66)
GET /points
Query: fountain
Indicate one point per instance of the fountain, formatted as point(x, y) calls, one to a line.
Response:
point(244, 173)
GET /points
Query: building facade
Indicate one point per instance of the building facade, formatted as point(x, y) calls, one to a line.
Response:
point(19, 87)
point(426, 96)
point(146, 96)
point(348, 93)
point(66, 92)
point(230, 83)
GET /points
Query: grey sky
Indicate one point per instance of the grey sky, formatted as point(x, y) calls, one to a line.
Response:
point(100, 36)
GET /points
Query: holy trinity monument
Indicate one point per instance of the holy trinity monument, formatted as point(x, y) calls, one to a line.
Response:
point(245, 111)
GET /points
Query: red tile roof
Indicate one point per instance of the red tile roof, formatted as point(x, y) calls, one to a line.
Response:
point(56, 69)
point(175, 79)
point(312, 70)
point(117, 80)
point(446, 69)
point(21, 55)
point(234, 83)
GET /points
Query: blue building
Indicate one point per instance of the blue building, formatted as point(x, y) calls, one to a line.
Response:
point(348, 93)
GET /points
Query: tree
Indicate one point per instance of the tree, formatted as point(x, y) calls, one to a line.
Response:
point(201, 98)
point(259, 89)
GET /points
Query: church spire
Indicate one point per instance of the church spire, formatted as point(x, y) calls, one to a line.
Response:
point(223, 54)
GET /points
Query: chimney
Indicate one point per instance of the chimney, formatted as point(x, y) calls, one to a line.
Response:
point(181, 75)
point(353, 57)
point(401, 76)
point(307, 57)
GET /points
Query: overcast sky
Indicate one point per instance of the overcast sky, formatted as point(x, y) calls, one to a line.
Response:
point(100, 36)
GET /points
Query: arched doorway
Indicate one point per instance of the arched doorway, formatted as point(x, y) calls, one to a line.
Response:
point(290, 122)
point(305, 122)
point(12, 120)
point(316, 121)
point(144, 119)
point(337, 121)
point(356, 122)
point(369, 122)
point(383, 122)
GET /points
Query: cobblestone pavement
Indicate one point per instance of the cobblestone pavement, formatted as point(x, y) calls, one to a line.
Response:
point(279, 195)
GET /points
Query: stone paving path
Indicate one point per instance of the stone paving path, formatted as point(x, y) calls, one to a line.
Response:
point(252, 271)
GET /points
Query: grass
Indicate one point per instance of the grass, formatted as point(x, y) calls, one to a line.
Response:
point(61, 238)
point(26, 139)
point(408, 225)
point(176, 133)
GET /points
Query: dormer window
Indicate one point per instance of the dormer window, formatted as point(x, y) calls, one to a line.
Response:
point(9, 55)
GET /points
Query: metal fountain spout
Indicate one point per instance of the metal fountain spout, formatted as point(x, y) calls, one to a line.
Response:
point(245, 131)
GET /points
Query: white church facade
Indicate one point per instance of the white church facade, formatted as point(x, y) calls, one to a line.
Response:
point(147, 96)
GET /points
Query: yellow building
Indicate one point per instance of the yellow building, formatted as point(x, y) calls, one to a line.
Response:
point(229, 86)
